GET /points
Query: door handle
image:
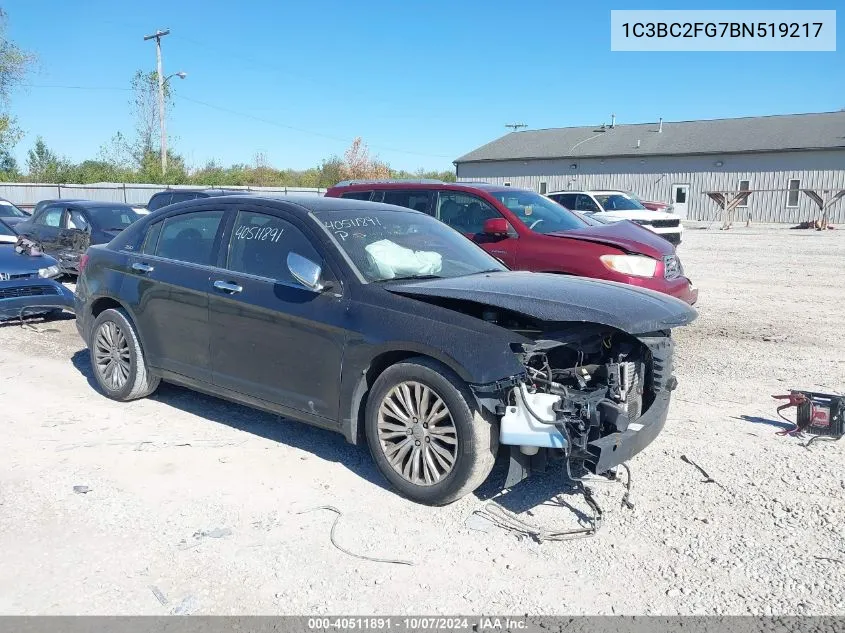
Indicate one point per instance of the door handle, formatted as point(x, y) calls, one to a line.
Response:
point(227, 287)
point(142, 268)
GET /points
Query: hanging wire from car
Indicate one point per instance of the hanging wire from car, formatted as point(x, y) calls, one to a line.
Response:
point(29, 326)
point(507, 520)
point(626, 499)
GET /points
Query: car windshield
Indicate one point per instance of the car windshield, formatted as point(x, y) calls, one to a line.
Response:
point(113, 218)
point(618, 202)
point(8, 210)
point(538, 213)
point(385, 245)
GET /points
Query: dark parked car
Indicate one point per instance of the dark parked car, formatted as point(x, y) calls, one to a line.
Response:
point(65, 228)
point(27, 281)
point(175, 196)
point(380, 323)
point(10, 213)
point(528, 231)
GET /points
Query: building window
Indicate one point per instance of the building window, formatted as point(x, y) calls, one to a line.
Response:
point(792, 195)
point(507, 184)
point(743, 186)
point(543, 188)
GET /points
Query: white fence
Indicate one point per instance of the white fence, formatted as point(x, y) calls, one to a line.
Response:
point(27, 194)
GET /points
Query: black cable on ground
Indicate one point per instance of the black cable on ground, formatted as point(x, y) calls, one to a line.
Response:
point(346, 551)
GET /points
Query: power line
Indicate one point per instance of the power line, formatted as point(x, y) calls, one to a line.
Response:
point(63, 87)
point(246, 116)
point(304, 131)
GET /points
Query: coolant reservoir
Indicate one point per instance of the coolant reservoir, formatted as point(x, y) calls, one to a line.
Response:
point(520, 428)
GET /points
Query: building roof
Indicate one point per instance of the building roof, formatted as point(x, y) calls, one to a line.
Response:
point(824, 130)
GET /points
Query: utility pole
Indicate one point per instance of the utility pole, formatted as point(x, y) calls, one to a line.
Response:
point(157, 37)
point(515, 126)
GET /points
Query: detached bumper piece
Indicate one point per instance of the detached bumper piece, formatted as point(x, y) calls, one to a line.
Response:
point(612, 450)
point(29, 297)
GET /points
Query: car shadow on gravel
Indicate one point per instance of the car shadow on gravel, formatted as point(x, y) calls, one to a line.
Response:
point(322, 443)
point(550, 488)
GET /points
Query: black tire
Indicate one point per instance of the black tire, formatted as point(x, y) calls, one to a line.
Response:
point(139, 382)
point(477, 434)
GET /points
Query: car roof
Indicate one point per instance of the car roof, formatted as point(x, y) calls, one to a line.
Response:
point(211, 191)
point(434, 185)
point(302, 205)
point(93, 204)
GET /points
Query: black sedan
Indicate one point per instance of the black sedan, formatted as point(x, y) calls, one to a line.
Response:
point(27, 281)
point(383, 324)
point(65, 228)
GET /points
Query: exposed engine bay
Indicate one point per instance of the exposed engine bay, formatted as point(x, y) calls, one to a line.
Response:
point(598, 380)
point(584, 383)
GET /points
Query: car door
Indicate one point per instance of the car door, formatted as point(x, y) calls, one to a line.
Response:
point(168, 281)
point(467, 213)
point(271, 337)
point(45, 227)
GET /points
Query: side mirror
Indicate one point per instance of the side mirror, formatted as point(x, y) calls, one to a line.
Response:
point(496, 226)
point(305, 271)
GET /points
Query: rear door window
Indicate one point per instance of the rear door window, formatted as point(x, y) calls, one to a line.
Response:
point(416, 200)
point(190, 237)
point(159, 200)
point(260, 243)
point(183, 196)
point(585, 203)
point(565, 199)
point(464, 212)
point(51, 216)
point(357, 195)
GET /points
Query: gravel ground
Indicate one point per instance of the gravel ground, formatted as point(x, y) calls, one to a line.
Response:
point(193, 504)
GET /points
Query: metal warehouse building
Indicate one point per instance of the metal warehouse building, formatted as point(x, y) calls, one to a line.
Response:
point(784, 160)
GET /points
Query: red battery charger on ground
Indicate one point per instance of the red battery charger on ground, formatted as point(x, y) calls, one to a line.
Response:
point(817, 413)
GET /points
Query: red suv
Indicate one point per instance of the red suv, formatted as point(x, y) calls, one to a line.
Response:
point(528, 231)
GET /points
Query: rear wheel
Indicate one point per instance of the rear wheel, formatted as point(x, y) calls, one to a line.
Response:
point(427, 434)
point(117, 359)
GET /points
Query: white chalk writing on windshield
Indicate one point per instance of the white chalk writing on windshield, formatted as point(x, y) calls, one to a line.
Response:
point(258, 233)
point(338, 226)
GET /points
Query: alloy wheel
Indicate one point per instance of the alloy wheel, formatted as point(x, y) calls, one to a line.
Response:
point(111, 354)
point(417, 434)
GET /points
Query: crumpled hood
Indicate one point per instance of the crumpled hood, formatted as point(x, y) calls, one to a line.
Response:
point(550, 297)
point(626, 236)
point(15, 263)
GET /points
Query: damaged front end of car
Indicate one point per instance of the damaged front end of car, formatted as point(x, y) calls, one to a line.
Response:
point(596, 360)
point(591, 394)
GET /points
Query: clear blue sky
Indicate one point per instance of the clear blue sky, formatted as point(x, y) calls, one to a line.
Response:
point(435, 79)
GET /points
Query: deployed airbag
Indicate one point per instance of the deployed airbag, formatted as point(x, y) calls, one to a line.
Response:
point(392, 260)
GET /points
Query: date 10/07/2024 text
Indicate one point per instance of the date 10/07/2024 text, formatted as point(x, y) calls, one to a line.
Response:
point(416, 623)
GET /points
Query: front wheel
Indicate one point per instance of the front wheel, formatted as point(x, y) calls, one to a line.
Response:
point(117, 359)
point(427, 434)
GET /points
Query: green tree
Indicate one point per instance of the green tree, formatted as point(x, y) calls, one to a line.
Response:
point(41, 162)
point(15, 64)
point(145, 111)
